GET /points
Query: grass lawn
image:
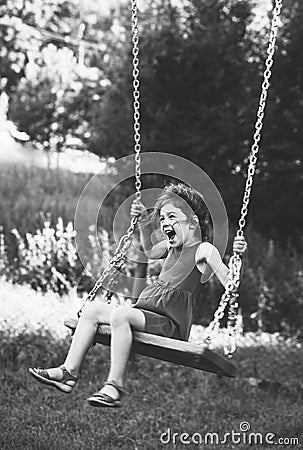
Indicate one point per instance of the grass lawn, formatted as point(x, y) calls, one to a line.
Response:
point(162, 396)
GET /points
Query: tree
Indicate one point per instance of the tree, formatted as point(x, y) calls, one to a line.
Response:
point(194, 72)
point(15, 42)
point(201, 67)
point(44, 98)
point(278, 196)
point(54, 97)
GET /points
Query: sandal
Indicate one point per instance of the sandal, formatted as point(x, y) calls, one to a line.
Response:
point(42, 376)
point(99, 399)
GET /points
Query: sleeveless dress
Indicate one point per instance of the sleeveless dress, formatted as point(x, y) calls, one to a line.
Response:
point(169, 303)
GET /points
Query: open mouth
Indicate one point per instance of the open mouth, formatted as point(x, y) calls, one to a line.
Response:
point(170, 234)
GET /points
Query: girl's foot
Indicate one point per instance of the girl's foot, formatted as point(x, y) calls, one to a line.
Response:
point(108, 396)
point(58, 377)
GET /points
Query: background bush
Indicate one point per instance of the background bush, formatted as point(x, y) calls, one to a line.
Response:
point(41, 251)
point(30, 195)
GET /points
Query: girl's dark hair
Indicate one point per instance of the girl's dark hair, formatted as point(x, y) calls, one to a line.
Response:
point(189, 201)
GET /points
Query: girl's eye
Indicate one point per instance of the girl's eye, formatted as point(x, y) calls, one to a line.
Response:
point(171, 216)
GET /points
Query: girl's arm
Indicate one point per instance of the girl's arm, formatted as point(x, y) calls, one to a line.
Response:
point(152, 251)
point(208, 259)
point(157, 251)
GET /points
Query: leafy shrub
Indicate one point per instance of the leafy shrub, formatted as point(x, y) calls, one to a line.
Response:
point(45, 260)
point(48, 259)
point(42, 252)
point(272, 287)
point(31, 195)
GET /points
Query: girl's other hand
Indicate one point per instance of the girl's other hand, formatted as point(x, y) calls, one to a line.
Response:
point(138, 209)
point(239, 245)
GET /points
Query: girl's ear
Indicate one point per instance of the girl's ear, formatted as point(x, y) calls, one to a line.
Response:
point(194, 221)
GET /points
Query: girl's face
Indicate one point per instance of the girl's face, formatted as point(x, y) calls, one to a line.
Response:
point(176, 225)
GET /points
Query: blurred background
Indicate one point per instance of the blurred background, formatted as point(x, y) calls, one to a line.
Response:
point(65, 115)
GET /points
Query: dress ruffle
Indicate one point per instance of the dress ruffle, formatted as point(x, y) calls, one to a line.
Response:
point(168, 311)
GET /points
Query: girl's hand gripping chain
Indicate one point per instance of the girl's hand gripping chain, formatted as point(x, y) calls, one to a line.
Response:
point(138, 209)
point(239, 245)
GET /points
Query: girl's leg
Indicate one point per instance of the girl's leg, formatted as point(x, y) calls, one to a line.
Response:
point(122, 320)
point(93, 314)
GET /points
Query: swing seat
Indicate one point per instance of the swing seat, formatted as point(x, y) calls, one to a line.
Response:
point(171, 350)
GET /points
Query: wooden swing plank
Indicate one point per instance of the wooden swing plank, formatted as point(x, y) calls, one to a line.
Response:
point(172, 350)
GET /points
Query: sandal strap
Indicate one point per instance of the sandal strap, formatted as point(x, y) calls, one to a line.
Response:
point(105, 397)
point(67, 376)
point(114, 384)
point(42, 372)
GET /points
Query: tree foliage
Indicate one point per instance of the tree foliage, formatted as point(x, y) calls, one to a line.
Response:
point(46, 107)
point(279, 187)
point(63, 69)
point(201, 65)
point(196, 69)
point(201, 74)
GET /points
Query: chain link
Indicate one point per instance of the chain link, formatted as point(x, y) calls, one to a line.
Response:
point(231, 290)
point(136, 96)
point(253, 157)
point(118, 260)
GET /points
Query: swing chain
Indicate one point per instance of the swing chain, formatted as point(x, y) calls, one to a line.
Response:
point(229, 296)
point(231, 290)
point(116, 263)
point(118, 260)
point(253, 157)
point(136, 96)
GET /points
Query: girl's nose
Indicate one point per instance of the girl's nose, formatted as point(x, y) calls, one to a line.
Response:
point(166, 222)
point(169, 222)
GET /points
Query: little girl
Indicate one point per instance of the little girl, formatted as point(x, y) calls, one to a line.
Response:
point(165, 307)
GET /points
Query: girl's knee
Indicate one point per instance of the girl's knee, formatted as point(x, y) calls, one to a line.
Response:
point(119, 316)
point(92, 311)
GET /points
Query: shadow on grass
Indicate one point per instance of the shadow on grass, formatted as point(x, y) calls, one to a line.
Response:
point(162, 397)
